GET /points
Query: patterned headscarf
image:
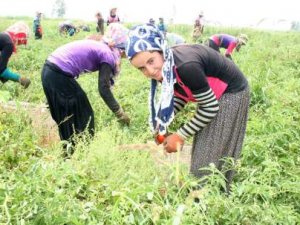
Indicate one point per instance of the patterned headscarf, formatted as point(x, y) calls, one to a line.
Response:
point(148, 38)
point(19, 33)
point(116, 37)
point(19, 27)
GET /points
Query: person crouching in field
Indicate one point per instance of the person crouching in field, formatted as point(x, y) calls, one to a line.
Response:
point(68, 103)
point(67, 28)
point(16, 34)
point(227, 42)
point(193, 73)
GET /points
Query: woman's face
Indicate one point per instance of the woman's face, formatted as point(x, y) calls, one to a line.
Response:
point(149, 63)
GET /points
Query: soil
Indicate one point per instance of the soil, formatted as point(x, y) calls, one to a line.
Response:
point(42, 123)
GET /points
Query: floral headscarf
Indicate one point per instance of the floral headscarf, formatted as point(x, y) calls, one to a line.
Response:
point(19, 33)
point(148, 38)
point(116, 36)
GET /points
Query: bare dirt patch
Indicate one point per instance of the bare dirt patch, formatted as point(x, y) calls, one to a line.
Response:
point(41, 121)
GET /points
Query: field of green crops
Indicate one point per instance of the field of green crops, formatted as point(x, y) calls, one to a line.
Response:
point(102, 185)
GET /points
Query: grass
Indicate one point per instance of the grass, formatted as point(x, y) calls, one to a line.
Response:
point(103, 185)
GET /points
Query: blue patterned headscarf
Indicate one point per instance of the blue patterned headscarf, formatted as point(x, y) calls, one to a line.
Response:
point(148, 38)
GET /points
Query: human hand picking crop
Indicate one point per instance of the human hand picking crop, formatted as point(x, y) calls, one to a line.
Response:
point(123, 118)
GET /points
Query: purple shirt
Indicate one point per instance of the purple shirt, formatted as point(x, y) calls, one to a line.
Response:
point(225, 41)
point(83, 56)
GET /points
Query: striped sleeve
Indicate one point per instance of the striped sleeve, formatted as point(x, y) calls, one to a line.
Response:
point(179, 104)
point(208, 107)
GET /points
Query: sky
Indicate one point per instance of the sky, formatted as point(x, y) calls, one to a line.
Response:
point(228, 13)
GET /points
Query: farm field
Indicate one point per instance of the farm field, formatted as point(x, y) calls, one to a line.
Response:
point(121, 177)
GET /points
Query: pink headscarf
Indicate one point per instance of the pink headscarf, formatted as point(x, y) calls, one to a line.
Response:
point(19, 33)
point(116, 36)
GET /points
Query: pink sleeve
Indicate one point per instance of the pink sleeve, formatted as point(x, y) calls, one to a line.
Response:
point(230, 48)
point(218, 86)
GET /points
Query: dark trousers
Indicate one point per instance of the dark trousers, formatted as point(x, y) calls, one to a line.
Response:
point(68, 104)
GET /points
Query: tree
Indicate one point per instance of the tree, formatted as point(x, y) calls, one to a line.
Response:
point(59, 8)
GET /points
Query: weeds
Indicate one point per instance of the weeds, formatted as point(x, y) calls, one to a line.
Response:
point(100, 184)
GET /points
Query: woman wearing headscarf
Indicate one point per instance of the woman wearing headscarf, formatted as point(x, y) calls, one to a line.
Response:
point(17, 34)
point(113, 17)
point(193, 73)
point(227, 42)
point(68, 103)
point(67, 28)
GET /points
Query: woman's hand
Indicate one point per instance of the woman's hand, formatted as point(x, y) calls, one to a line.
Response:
point(173, 143)
point(123, 118)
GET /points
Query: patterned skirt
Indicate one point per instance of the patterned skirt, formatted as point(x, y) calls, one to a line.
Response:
point(224, 136)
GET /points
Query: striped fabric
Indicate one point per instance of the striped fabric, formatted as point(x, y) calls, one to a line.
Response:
point(178, 104)
point(208, 107)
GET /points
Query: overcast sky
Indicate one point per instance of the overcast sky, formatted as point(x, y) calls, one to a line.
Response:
point(229, 12)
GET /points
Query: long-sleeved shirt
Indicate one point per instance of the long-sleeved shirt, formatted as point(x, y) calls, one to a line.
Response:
point(82, 56)
point(6, 49)
point(86, 56)
point(194, 64)
point(225, 41)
